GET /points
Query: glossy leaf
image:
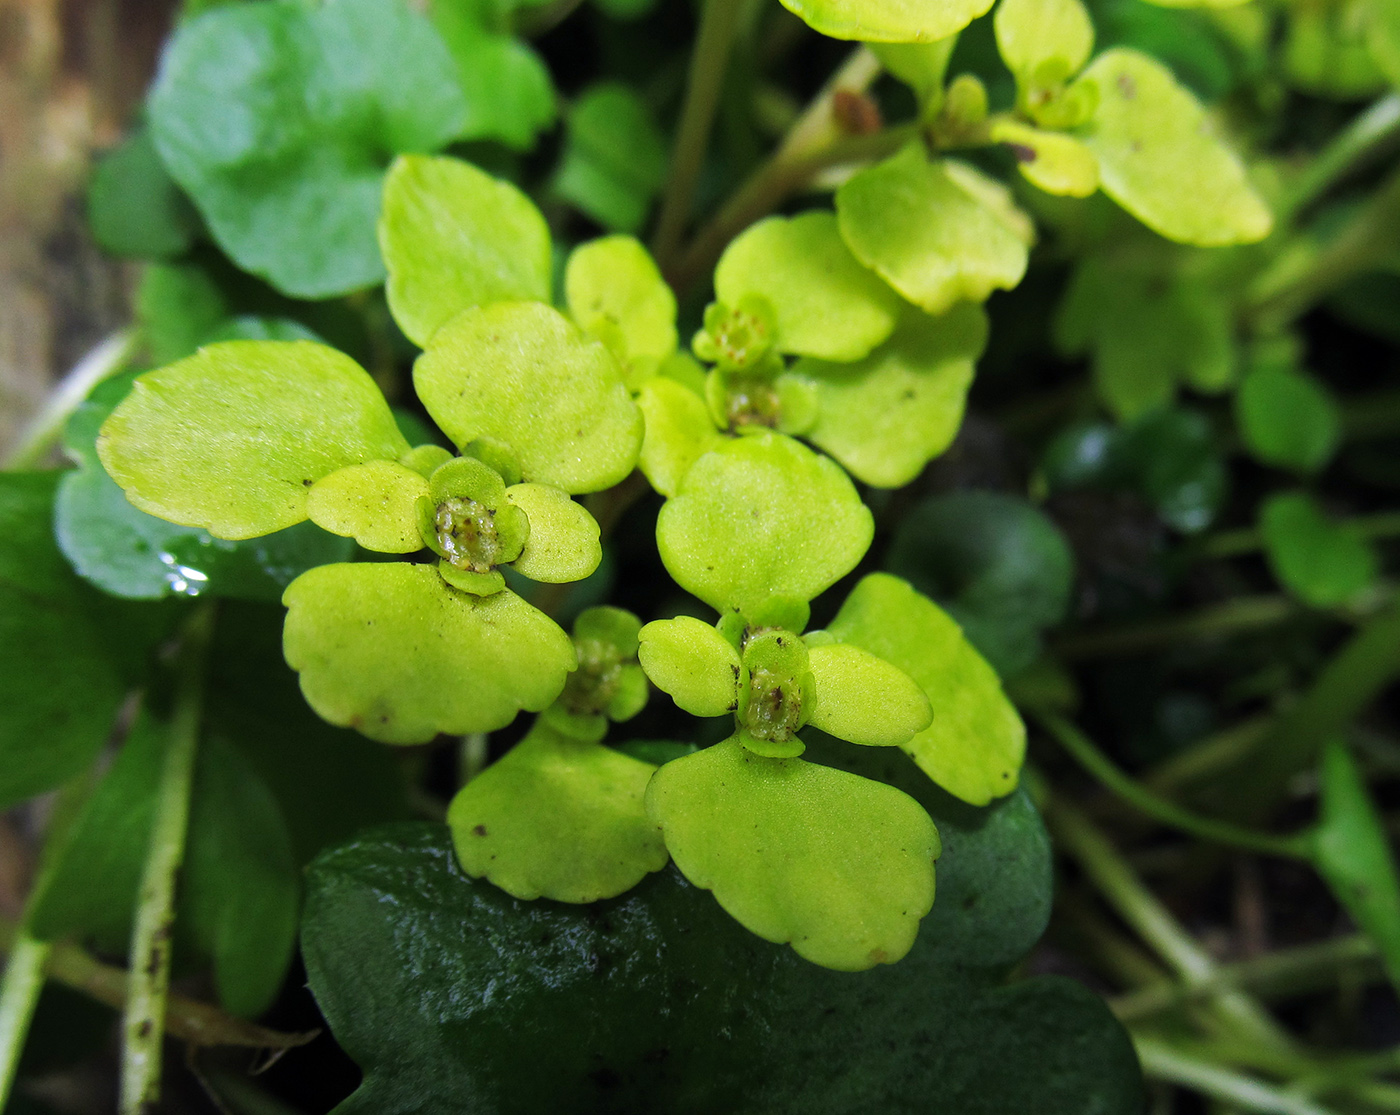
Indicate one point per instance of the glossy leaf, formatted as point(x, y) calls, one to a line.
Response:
point(239, 885)
point(558, 818)
point(392, 651)
point(521, 374)
point(838, 866)
point(1000, 568)
point(976, 742)
point(1351, 848)
point(1032, 33)
point(232, 438)
point(308, 100)
point(563, 542)
point(824, 302)
point(656, 1001)
point(864, 699)
point(67, 653)
point(506, 85)
point(614, 157)
point(887, 21)
point(888, 415)
point(678, 431)
point(616, 293)
point(1322, 562)
point(373, 503)
point(937, 231)
point(761, 516)
point(1288, 418)
point(454, 237)
point(134, 206)
point(694, 663)
point(128, 553)
point(1160, 160)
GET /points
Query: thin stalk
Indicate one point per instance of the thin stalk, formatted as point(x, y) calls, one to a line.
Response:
point(472, 756)
point(1348, 683)
point(814, 142)
point(1161, 1061)
point(1135, 793)
point(1286, 972)
point(143, 1022)
point(29, 956)
point(1368, 135)
point(43, 432)
point(1214, 753)
point(1244, 613)
point(1232, 543)
point(719, 19)
point(1142, 910)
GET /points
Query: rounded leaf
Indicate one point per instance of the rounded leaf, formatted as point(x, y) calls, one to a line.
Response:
point(678, 431)
point(563, 541)
point(616, 293)
point(976, 742)
point(558, 818)
point(1031, 33)
point(454, 237)
point(1288, 418)
point(374, 503)
point(391, 650)
point(888, 21)
point(694, 663)
point(824, 302)
point(232, 438)
point(522, 374)
point(936, 230)
point(887, 416)
point(1322, 562)
point(276, 119)
point(836, 865)
point(1057, 163)
point(758, 516)
point(864, 699)
point(1160, 159)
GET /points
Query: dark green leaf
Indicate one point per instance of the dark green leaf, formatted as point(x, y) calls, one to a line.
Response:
point(67, 654)
point(656, 1001)
point(614, 157)
point(1288, 417)
point(1352, 851)
point(239, 886)
point(998, 566)
point(278, 118)
point(134, 206)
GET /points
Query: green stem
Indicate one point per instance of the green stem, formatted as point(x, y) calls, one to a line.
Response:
point(1244, 613)
point(1363, 242)
point(143, 1022)
point(1365, 137)
point(1161, 1061)
point(1383, 524)
point(1141, 909)
point(1286, 972)
point(29, 956)
point(43, 432)
point(814, 142)
point(1348, 683)
point(1129, 789)
point(1201, 760)
point(719, 20)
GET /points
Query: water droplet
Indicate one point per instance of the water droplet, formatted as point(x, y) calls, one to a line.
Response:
point(181, 578)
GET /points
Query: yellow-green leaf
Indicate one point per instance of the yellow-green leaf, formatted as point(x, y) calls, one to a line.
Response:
point(374, 503)
point(838, 866)
point(232, 438)
point(1160, 159)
